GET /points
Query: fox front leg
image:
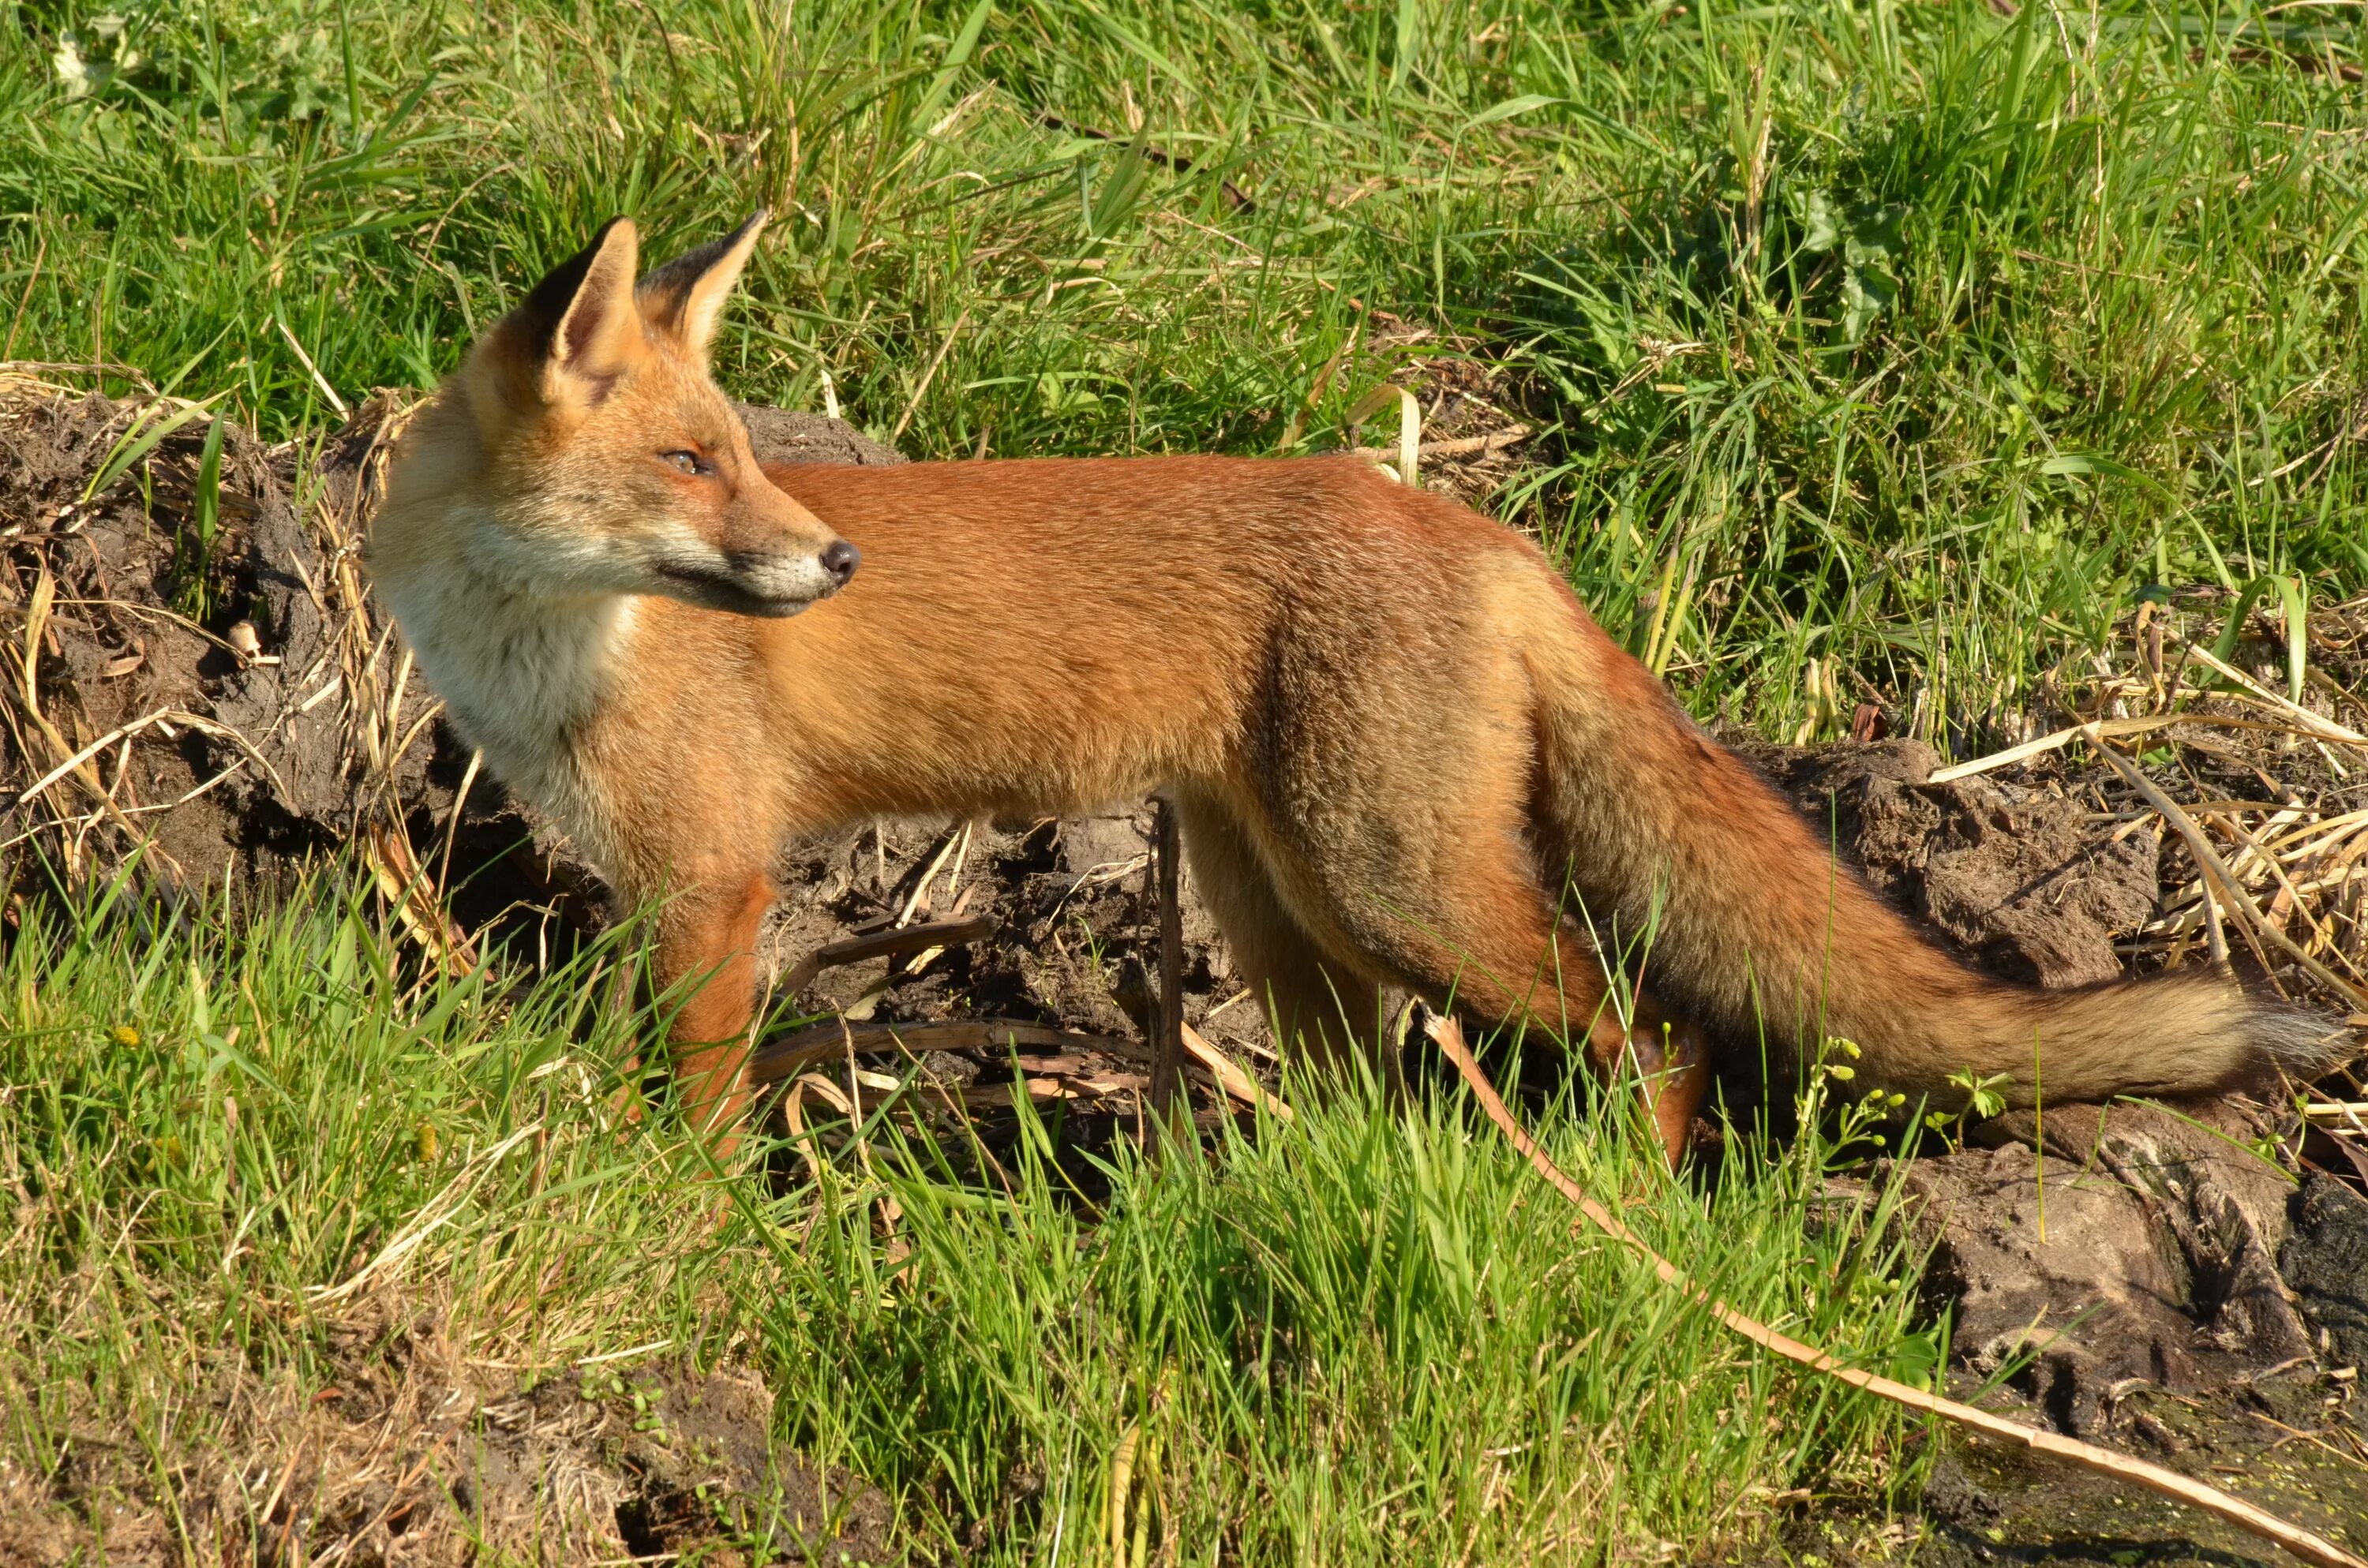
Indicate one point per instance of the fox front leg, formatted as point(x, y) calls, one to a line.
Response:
point(707, 938)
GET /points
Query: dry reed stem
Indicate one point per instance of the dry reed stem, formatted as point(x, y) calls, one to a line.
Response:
point(2208, 859)
point(2302, 1543)
point(1231, 1076)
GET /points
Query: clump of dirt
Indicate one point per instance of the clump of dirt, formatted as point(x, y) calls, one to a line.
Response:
point(409, 1454)
point(2280, 1440)
point(2019, 879)
point(2130, 1244)
point(119, 732)
point(2325, 1261)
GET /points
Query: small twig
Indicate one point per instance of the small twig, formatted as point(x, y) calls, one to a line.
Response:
point(1167, 1044)
point(1230, 1075)
point(313, 371)
point(2117, 727)
point(2318, 724)
point(119, 732)
point(2214, 868)
point(1461, 446)
point(40, 254)
point(793, 1053)
point(452, 823)
point(2294, 1433)
point(164, 716)
point(921, 887)
point(438, 1210)
point(2207, 863)
point(878, 944)
point(2310, 1548)
point(2056, 741)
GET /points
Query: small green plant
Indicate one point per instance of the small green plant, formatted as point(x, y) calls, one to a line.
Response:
point(1865, 237)
point(1982, 1101)
point(1839, 1137)
point(193, 545)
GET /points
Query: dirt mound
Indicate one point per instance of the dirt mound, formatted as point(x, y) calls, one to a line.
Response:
point(413, 1455)
point(2140, 1244)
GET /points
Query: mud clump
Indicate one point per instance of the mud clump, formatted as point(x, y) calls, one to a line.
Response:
point(2018, 880)
point(2326, 1261)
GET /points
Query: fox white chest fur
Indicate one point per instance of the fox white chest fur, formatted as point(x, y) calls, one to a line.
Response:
point(521, 675)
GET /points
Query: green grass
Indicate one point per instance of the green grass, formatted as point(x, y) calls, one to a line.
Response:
point(1904, 341)
point(1370, 1337)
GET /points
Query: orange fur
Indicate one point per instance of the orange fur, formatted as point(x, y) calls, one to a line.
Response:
point(1390, 729)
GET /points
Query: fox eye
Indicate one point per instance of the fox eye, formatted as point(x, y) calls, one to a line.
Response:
point(689, 462)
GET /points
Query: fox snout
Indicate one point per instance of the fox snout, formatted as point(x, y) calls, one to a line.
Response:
point(781, 583)
point(778, 556)
point(768, 582)
point(786, 576)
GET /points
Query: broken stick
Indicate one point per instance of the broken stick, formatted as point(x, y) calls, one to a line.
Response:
point(876, 944)
point(793, 1053)
point(1167, 1044)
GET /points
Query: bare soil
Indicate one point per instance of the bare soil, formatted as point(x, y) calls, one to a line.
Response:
point(413, 1455)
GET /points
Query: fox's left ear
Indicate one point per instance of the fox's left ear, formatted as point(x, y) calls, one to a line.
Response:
point(685, 298)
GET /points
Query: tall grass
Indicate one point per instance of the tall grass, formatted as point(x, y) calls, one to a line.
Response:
point(1364, 1335)
point(1881, 350)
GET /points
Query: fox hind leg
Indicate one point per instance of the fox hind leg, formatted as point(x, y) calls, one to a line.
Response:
point(1314, 1001)
point(1486, 931)
point(1673, 1056)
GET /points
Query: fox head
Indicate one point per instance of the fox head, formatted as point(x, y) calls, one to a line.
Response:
point(594, 454)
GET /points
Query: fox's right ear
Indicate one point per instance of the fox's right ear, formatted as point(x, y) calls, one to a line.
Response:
point(577, 331)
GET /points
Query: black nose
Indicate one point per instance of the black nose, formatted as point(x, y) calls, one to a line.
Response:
point(840, 560)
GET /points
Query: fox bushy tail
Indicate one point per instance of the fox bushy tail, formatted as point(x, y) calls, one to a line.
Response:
point(1754, 926)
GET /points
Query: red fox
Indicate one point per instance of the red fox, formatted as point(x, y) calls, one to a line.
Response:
point(1402, 753)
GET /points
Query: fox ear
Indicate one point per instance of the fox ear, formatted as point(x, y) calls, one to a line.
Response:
point(576, 332)
point(685, 298)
